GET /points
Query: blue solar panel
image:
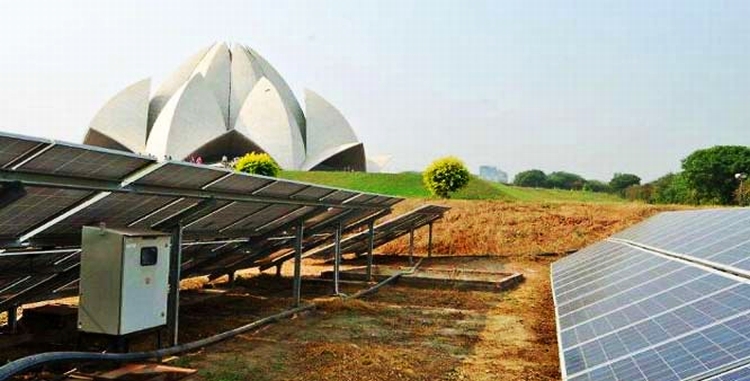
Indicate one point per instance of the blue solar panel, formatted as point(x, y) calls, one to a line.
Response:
point(719, 237)
point(646, 306)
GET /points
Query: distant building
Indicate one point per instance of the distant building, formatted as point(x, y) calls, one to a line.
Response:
point(490, 173)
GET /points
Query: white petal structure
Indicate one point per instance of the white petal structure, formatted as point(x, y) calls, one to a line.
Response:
point(226, 102)
point(265, 118)
point(121, 123)
point(286, 93)
point(246, 72)
point(329, 136)
point(215, 69)
point(190, 118)
point(172, 84)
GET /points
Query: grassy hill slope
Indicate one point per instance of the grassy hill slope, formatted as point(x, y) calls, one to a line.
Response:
point(409, 184)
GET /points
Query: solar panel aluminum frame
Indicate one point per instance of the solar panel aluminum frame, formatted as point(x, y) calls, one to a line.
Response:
point(67, 182)
point(704, 262)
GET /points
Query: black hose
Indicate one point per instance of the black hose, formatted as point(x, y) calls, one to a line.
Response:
point(27, 363)
point(30, 362)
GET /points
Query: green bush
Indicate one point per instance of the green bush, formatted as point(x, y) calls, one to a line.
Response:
point(622, 181)
point(445, 175)
point(533, 178)
point(596, 186)
point(565, 180)
point(672, 188)
point(258, 164)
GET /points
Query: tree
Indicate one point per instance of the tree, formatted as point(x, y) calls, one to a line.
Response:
point(622, 181)
point(445, 176)
point(710, 172)
point(533, 178)
point(672, 189)
point(258, 164)
point(565, 180)
point(596, 186)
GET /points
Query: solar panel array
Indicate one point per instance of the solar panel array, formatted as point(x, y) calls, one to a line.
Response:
point(667, 299)
point(229, 219)
point(359, 243)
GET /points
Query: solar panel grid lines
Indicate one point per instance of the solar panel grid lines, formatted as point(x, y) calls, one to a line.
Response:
point(699, 233)
point(612, 326)
point(621, 281)
point(119, 209)
point(686, 355)
point(17, 218)
point(662, 301)
point(599, 253)
point(674, 232)
point(579, 294)
point(690, 322)
point(237, 182)
point(88, 162)
point(15, 147)
point(67, 213)
point(670, 228)
point(602, 274)
point(725, 267)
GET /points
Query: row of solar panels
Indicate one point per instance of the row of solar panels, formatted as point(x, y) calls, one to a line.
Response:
point(231, 220)
point(667, 299)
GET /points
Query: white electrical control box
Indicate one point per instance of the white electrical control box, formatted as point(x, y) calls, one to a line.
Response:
point(124, 283)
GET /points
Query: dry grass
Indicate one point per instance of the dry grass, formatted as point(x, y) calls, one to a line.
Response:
point(521, 229)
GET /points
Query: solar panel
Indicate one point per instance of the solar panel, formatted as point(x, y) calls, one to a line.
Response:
point(181, 175)
point(240, 183)
point(87, 162)
point(281, 189)
point(718, 237)
point(119, 209)
point(386, 231)
point(37, 205)
point(739, 374)
point(212, 203)
point(632, 309)
point(13, 147)
point(222, 217)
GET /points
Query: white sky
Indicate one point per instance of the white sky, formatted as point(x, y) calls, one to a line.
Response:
point(594, 87)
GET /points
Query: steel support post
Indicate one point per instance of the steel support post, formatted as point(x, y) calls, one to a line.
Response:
point(370, 248)
point(411, 247)
point(337, 259)
point(13, 319)
point(298, 263)
point(175, 267)
point(429, 241)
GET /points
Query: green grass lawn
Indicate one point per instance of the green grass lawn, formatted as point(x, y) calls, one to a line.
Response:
point(409, 184)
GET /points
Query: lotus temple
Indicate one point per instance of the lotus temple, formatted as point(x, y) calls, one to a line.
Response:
point(222, 103)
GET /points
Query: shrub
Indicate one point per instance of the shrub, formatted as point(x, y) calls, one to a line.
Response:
point(533, 178)
point(672, 189)
point(639, 193)
point(258, 164)
point(445, 175)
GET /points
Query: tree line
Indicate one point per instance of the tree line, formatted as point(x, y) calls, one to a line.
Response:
point(714, 175)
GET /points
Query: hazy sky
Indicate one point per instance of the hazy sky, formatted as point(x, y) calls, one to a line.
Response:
point(594, 87)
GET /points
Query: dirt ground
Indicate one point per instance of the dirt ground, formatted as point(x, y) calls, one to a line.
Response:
point(402, 333)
